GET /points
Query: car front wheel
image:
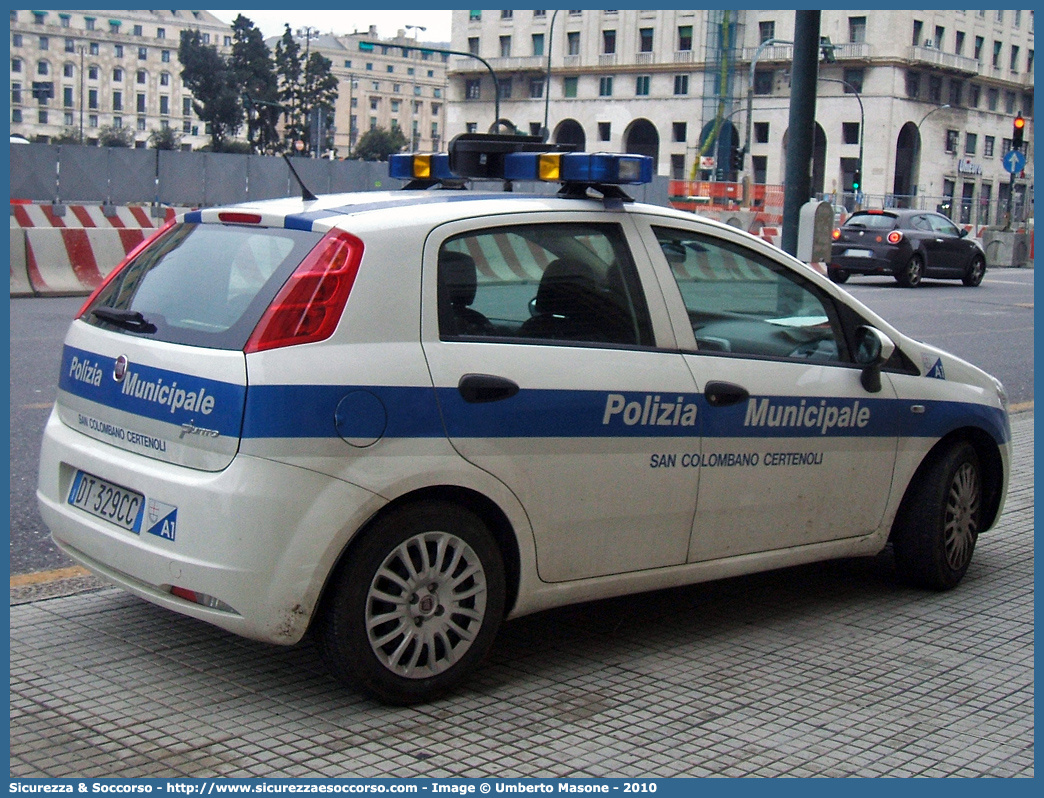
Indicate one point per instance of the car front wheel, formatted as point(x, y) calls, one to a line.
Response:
point(910, 275)
point(976, 271)
point(416, 605)
point(938, 523)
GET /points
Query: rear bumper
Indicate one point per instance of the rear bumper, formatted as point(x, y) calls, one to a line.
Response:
point(265, 553)
point(873, 265)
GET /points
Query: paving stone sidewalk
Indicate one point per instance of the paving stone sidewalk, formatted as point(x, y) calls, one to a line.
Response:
point(831, 669)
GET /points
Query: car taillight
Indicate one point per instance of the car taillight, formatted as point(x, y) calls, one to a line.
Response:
point(837, 233)
point(123, 264)
point(308, 307)
point(895, 237)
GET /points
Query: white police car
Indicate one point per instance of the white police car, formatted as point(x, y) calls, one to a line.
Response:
point(398, 418)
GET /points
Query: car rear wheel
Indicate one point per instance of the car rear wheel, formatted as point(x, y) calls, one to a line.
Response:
point(938, 523)
point(837, 275)
point(976, 271)
point(416, 605)
point(911, 274)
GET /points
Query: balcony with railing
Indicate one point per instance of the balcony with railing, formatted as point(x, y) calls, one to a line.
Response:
point(951, 61)
point(513, 64)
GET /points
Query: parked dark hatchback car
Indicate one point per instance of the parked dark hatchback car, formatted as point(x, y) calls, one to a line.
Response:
point(906, 244)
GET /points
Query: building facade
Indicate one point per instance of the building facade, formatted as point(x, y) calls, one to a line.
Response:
point(387, 83)
point(918, 104)
point(75, 72)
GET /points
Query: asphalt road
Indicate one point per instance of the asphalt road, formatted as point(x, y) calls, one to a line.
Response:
point(991, 326)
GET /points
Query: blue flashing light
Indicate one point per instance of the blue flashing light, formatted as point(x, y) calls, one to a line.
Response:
point(580, 167)
point(420, 166)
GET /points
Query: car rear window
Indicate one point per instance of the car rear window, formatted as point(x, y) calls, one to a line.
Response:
point(202, 284)
point(872, 221)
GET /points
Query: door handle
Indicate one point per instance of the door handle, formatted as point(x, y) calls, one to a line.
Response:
point(480, 388)
point(722, 394)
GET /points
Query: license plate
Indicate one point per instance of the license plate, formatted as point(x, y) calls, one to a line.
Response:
point(113, 503)
point(857, 253)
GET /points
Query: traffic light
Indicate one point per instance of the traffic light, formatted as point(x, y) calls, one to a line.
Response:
point(857, 179)
point(736, 159)
point(1016, 132)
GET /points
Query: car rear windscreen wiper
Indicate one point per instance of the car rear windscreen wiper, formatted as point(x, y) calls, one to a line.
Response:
point(127, 319)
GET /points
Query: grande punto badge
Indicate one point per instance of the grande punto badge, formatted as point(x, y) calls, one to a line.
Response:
point(119, 371)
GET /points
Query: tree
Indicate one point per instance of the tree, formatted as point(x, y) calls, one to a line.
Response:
point(109, 136)
point(251, 63)
point(378, 143)
point(67, 136)
point(212, 83)
point(319, 97)
point(290, 69)
point(165, 138)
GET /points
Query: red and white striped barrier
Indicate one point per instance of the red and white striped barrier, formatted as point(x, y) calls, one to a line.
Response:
point(55, 253)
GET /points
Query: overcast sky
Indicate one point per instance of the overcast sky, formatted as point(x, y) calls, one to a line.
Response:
point(341, 22)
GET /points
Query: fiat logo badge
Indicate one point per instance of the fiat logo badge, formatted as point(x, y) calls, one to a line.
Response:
point(120, 370)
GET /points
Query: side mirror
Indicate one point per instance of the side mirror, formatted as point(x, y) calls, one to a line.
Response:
point(961, 233)
point(873, 349)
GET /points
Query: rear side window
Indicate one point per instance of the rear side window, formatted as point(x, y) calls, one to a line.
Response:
point(572, 282)
point(202, 284)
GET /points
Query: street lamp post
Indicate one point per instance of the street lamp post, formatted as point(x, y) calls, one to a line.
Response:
point(82, 99)
point(750, 111)
point(414, 131)
point(917, 152)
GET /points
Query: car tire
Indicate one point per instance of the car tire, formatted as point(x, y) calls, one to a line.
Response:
point(976, 271)
point(838, 275)
point(416, 604)
point(910, 275)
point(938, 522)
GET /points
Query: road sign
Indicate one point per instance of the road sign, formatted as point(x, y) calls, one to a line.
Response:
point(1014, 161)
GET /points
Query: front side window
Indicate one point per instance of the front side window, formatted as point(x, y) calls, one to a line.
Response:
point(742, 303)
point(570, 282)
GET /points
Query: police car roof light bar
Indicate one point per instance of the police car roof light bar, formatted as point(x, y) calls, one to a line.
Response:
point(481, 155)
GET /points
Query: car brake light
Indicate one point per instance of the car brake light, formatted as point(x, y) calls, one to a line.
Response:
point(229, 217)
point(837, 233)
point(895, 237)
point(123, 264)
point(309, 305)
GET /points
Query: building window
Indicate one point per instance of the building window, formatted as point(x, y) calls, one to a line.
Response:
point(165, 56)
point(979, 42)
point(763, 80)
point(935, 89)
point(503, 86)
point(505, 46)
point(164, 78)
point(538, 44)
point(16, 40)
point(766, 31)
point(956, 92)
point(992, 98)
point(16, 94)
point(641, 85)
point(684, 38)
point(141, 103)
point(850, 132)
point(92, 73)
point(645, 40)
point(988, 143)
point(473, 89)
point(971, 141)
point(854, 79)
point(42, 68)
point(16, 115)
point(940, 34)
point(473, 45)
point(604, 131)
point(677, 167)
point(681, 84)
point(918, 28)
point(1014, 63)
point(93, 48)
point(474, 16)
point(186, 106)
point(1009, 102)
point(569, 86)
point(16, 64)
point(41, 116)
point(536, 88)
point(92, 120)
point(141, 76)
point(45, 43)
point(951, 141)
point(997, 54)
point(857, 29)
point(161, 33)
point(92, 99)
point(605, 87)
point(117, 75)
point(761, 132)
point(573, 43)
point(913, 84)
point(67, 70)
point(608, 42)
point(117, 101)
point(375, 103)
point(67, 97)
point(506, 14)
point(70, 45)
point(141, 123)
point(974, 93)
point(678, 131)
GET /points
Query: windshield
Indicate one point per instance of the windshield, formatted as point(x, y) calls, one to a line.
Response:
point(201, 284)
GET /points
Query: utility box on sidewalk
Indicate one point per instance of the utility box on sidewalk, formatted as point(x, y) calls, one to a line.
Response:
point(815, 225)
point(1005, 248)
